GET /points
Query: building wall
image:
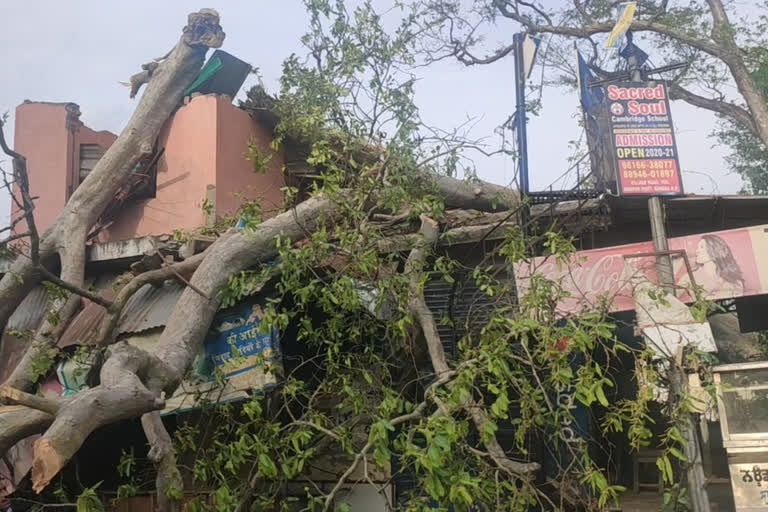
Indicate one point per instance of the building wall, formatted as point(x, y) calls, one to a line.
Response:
point(205, 157)
point(49, 135)
point(183, 173)
point(42, 136)
point(205, 145)
point(235, 177)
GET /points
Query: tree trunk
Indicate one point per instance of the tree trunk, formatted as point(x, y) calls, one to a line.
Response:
point(733, 56)
point(133, 382)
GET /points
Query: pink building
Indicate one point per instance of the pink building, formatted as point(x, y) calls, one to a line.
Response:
point(202, 161)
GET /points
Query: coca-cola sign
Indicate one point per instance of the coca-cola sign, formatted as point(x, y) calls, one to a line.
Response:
point(724, 264)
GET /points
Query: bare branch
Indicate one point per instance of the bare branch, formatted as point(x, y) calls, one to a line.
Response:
point(21, 177)
point(704, 45)
point(734, 112)
point(93, 297)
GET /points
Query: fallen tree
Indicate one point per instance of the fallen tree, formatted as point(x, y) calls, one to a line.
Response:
point(383, 220)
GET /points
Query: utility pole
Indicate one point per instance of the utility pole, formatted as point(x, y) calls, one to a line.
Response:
point(656, 213)
point(520, 109)
point(678, 379)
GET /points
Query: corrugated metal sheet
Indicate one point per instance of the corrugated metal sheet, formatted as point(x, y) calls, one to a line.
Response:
point(30, 312)
point(82, 330)
point(11, 352)
point(27, 316)
point(148, 308)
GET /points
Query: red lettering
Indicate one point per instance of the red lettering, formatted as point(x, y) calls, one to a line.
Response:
point(636, 93)
point(634, 108)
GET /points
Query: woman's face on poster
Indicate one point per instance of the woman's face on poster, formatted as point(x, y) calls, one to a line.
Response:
point(702, 253)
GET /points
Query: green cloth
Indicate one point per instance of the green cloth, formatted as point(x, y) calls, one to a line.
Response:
point(211, 68)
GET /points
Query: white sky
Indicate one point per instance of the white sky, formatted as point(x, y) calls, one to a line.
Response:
point(79, 50)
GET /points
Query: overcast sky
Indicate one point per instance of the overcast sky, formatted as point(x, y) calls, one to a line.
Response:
point(79, 50)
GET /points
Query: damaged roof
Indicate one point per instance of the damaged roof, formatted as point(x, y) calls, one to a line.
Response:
point(148, 308)
point(30, 312)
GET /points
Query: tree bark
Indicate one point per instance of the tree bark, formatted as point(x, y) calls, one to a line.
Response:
point(169, 484)
point(414, 267)
point(132, 381)
point(732, 55)
point(16, 423)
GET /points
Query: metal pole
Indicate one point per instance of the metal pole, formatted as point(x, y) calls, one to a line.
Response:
point(522, 130)
point(659, 235)
point(656, 213)
point(678, 380)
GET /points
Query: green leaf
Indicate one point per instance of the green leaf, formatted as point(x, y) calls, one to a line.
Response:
point(674, 451)
point(601, 396)
point(266, 466)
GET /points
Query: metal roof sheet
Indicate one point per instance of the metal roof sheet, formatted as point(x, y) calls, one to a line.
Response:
point(149, 307)
point(30, 312)
point(82, 330)
point(27, 316)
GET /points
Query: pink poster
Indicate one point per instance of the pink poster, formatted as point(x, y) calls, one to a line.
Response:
point(724, 264)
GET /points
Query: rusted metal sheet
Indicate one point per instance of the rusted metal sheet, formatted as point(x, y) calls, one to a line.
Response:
point(82, 330)
point(148, 308)
point(30, 312)
point(27, 317)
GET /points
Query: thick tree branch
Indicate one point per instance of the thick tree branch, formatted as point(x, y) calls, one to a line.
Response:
point(120, 395)
point(414, 267)
point(93, 297)
point(37, 402)
point(168, 483)
point(18, 422)
point(89, 200)
point(591, 29)
point(734, 112)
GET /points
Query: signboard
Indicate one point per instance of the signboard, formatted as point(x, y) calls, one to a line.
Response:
point(643, 139)
point(725, 264)
point(237, 359)
point(750, 484)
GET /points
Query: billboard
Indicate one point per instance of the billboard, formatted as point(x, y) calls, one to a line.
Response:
point(643, 139)
point(725, 264)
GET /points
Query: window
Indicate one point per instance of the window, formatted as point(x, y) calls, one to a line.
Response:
point(90, 154)
point(743, 403)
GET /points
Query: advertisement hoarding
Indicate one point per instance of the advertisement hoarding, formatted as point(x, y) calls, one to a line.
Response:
point(643, 139)
point(725, 264)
